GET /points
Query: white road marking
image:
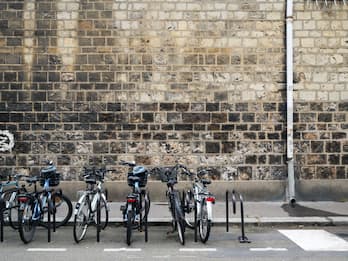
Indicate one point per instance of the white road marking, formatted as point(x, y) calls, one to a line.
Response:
point(269, 249)
point(122, 249)
point(316, 240)
point(197, 249)
point(46, 249)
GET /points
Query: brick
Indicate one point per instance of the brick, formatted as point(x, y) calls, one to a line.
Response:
point(316, 159)
point(212, 147)
point(333, 146)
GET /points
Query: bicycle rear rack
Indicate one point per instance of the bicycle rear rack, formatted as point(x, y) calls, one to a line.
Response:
point(242, 238)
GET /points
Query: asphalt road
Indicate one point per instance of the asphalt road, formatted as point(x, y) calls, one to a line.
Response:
point(267, 244)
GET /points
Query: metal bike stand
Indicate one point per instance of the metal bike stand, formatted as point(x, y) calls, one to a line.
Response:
point(2, 207)
point(243, 238)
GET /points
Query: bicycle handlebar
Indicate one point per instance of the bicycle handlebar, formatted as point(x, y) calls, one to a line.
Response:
point(128, 163)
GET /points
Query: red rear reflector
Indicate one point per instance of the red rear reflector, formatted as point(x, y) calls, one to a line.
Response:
point(210, 199)
point(131, 200)
point(23, 200)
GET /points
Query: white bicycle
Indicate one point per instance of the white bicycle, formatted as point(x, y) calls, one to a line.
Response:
point(92, 206)
point(198, 204)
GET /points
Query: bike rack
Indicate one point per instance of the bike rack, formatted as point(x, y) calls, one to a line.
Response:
point(242, 238)
point(49, 222)
point(2, 207)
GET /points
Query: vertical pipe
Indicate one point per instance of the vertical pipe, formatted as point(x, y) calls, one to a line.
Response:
point(289, 95)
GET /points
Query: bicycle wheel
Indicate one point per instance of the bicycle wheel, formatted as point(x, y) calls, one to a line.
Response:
point(172, 211)
point(104, 213)
point(204, 222)
point(129, 226)
point(27, 225)
point(98, 219)
point(10, 214)
point(81, 220)
point(63, 209)
point(49, 212)
point(180, 221)
point(188, 206)
point(147, 208)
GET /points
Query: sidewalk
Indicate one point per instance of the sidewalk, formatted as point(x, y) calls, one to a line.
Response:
point(258, 213)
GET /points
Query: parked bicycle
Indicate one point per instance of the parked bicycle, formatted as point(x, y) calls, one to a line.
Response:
point(92, 206)
point(197, 203)
point(8, 193)
point(135, 211)
point(169, 176)
point(34, 205)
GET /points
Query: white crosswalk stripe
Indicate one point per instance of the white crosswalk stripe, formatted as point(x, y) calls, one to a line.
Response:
point(315, 240)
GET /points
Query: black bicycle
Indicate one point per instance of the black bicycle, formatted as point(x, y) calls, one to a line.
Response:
point(136, 210)
point(169, 176)
point(34, 205)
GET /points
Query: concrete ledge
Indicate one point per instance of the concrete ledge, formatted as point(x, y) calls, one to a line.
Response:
point(251, 190)
point(258, 190)
point(322, 190)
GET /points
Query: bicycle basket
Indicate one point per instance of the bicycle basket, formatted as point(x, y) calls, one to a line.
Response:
point(51, 174)
point(138, 171)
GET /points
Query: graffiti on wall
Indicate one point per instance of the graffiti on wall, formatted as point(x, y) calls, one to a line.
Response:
point(6, 141)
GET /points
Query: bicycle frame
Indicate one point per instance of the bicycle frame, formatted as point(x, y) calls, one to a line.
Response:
point(200, 192)
point(94, 195)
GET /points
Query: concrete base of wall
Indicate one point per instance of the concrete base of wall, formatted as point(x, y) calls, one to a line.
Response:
point(306, 190)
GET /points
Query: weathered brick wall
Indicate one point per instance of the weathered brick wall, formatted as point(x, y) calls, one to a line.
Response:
point(202, 82)
point(321, 91)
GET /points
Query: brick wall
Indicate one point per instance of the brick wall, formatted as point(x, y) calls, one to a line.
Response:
point(321, 90)
point(203, 82)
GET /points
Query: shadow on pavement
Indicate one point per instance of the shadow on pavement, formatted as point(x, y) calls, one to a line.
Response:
point(301, 211)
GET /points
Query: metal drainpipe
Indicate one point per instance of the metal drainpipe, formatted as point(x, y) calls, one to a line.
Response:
point(289, 95)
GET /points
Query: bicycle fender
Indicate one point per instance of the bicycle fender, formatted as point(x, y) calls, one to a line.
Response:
point(210, 210)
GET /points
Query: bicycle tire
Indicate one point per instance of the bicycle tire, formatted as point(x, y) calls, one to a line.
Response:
point(98, 219)
point(147, 208)
point(81, 218)
point(63, 209)
point(188, 205)
point(204, 222)
point(172, 211)
point(129, 226)
point(49, 212)
point(180, 220)
point(104, 213)
point(11, 215)
point(27, 225)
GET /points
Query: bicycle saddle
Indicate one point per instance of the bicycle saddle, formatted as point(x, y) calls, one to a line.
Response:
point(206, 181)
point(171, 182)
point(90, 181)
point(134, 178)
point(32, 180)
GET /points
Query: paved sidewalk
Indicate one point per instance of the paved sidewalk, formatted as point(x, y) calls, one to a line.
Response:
point(258, 213)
